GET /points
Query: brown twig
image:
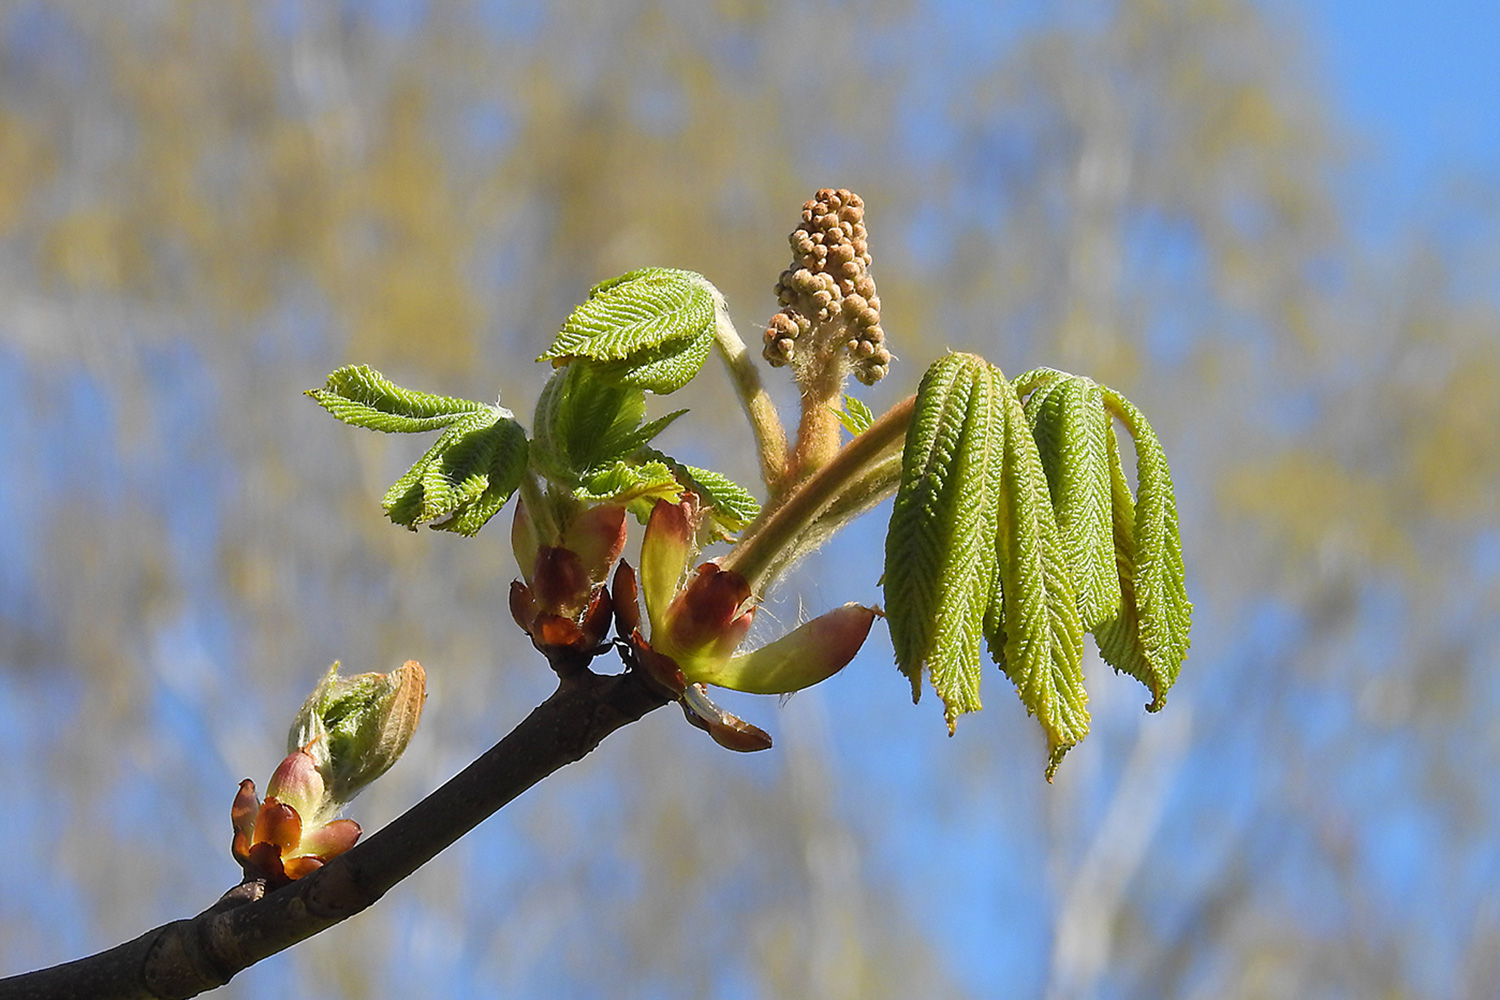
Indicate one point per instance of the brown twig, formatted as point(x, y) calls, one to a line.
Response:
point(187, 957)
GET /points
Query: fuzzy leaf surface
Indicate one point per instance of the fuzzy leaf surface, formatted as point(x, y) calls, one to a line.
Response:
point(940, 561)
point(1037, 638)
point(360, 395)
point(1149, 639)
point(1072, 430)
point(658, 310)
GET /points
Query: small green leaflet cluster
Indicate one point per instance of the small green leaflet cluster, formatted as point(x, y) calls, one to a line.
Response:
point(649, 330)
point(1014, 525)
point(469, 472)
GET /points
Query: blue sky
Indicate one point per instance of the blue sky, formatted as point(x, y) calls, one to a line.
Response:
point(1420, 83)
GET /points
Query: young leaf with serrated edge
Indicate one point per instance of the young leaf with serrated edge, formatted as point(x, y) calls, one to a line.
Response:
point(459, 470)
point(1149, 639)
point(582, 422)
point(639, 311)
point(1071, 428)
point(662, 369)
point(726, 502)
point(940, 556)
point(630, 483)
point(1038, 637)
point(507, 465)
point(360, 395)
point(855, 416)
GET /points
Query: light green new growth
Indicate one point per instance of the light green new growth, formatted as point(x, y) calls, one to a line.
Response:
point(1015, 521)
point(1072, 431)
point(360, 395)
point(855, 416)
point(1038, 638)
point(465, 477)
point(652, 328)
point(940, 555)
point(726, 502)
point(1014, 526)
point(636, 485)
point(1149, 640)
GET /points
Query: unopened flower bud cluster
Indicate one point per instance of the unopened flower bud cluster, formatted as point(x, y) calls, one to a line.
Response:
point(828, 298)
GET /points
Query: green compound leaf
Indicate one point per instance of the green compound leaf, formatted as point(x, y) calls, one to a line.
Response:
point(1072, 431)
point(855, 416)
point(940, 559)
point(1149, 639)
point(655, 326)
point(726, 502)
point(360, 395)
point(1037, 636)
point(465, 477)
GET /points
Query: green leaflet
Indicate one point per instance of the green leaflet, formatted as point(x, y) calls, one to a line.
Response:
point(636, 485)
point(661, 369)
point(1149, 639)
point(1072, 431)
point(583, 423)
point(727, 503)
point(1039, 638)
point(940, 557)
point(360, 395)
point(465, 477)
point(855, 416)
point(653, 326)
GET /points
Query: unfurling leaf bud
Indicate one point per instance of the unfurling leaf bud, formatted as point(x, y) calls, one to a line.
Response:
point(348, 733)
point(355, 728)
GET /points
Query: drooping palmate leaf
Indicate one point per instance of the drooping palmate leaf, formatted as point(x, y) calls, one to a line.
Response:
point(650, 329)
point(975, 552)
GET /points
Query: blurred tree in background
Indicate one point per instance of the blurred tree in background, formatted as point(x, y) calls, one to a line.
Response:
point(205, 208)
